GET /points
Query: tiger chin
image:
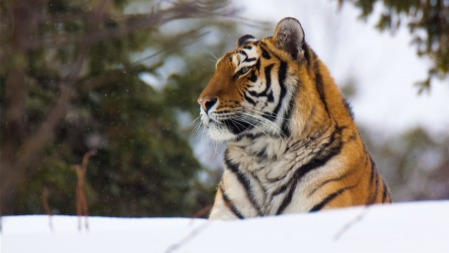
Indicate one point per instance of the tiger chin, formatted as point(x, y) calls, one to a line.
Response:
point(292, 144)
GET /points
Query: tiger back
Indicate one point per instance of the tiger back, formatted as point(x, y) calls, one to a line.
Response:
point(292, 144)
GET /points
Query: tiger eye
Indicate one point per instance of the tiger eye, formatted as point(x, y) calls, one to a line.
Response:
point(244, 70)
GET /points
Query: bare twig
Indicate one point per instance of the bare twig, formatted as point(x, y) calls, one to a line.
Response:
point(189, 237)
point(22, 25)
point(81, 202)
point(181, 40)
point(15, 170)
point(47, 206)
point(130, 23)
point(202, 212)
point(351, 223)
point(17, 154)
point(24, 20)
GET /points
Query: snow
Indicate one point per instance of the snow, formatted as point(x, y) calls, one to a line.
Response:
point(403, 227)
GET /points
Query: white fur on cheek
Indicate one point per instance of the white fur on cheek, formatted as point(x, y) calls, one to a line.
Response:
point(215, 132)
point(219, 134)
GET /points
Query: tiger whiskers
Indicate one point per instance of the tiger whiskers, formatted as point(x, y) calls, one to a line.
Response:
point(215, 148)
point(195, 123)
point(198, 126)
point(245, 120)
point(262, 112)
point(271, 126)
point(214, 56)
point(199, 130)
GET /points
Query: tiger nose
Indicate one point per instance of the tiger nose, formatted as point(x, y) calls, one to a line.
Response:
point(207, 103)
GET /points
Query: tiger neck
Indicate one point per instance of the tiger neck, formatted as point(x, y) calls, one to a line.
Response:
point(255, 150)
point(309, 126)
point(258, 147)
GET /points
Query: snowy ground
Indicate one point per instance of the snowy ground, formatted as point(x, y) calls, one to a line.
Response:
point(406, 227)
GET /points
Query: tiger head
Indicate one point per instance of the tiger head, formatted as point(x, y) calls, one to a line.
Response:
point(254, 88)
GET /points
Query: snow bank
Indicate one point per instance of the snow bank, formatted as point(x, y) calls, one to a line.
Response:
point(405, 227)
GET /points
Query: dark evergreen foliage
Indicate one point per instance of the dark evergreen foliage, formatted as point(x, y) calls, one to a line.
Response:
point(71, 81)
point(428, 23)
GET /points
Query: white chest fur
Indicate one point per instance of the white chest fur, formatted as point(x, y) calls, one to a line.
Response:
point(263, 174)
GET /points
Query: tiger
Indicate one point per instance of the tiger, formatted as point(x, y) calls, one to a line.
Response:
point(292, 145)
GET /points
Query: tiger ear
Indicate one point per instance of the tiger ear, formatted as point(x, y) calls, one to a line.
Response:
point(289, 36)
point(245, 39)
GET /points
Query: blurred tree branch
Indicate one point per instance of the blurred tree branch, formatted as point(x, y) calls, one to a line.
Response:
point(81, 200)
point(14, 120)
point(428, 23)
point(15, 171)
point(30, 27)
point(131, 23)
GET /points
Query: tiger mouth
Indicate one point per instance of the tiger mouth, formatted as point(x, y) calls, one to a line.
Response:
point(236, 126)
point(232, 123)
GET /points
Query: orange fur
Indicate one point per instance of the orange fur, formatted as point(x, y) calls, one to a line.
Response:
point(320, 110)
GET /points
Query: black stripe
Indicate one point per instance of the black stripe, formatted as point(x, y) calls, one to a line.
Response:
point(249, 99)
point(259, 183)
point(329, 198)
point(307, 55)
point(253, 137)
point(253, 77)
point(373, 170)
point(262, 153)
point(243, 180)
point(320, 86)
point(385, 192)
point(267, 72)
point(327, 152)
point(320, 157)
point(304, 143)
point(249, 136)
point(244, 53)
point(265, 53)
point(292, 104)
point(236, 126)
point(371, 178)
point(249, 59)
point(254, 94)
point(258, 65)
point(376, 190)
point(286, 201)
point(231, 205)
point(270, 97)
point(282, 73)
point(236, 75)
point(348, 173)
point(244, 39)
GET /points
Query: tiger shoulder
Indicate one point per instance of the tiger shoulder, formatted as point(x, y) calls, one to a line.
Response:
point(292, 144)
